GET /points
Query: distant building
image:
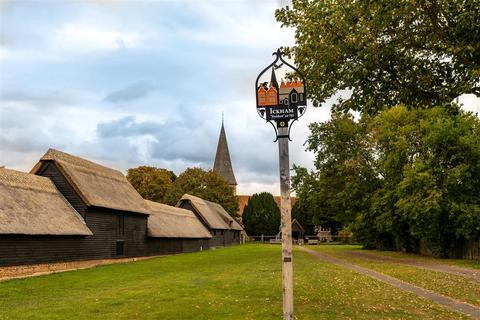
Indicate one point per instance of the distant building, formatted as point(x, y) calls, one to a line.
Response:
point(223, 162)
point(224, 229)
point(243, 201)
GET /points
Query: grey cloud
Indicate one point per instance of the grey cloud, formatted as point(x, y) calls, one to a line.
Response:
point(126, 126)
point(132, 92)
point(49, 99)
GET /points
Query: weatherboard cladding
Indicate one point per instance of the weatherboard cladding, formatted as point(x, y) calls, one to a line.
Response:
point(31, 205)
point(22, 249)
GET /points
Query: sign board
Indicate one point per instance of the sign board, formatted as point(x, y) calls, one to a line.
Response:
point(280, 103)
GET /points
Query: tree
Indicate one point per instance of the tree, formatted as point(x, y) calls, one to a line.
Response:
point(417, 53)
point(261, 215)
point(343, 179)
point(152, 183)
point(207, 185)
point(304, 216)
point(403, 179)
point(430, 163)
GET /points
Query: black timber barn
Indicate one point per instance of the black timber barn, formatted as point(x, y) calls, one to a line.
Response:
point(69, 208)
point(224, 229)
point(37, 223)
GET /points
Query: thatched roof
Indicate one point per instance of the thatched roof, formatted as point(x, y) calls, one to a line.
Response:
point(212, 213)
point(172, 222)
point(31, 205)
point(97, 185)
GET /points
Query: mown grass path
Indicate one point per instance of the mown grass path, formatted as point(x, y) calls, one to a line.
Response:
point(453, 304)
point(242, 282)
point(456, 286)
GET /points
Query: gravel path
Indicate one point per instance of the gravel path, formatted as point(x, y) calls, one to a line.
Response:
point(464, 272)
point(453, 304)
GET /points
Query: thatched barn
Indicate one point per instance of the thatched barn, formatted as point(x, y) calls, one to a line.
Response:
point(112, 209)
point(68, 208)
point(174, 230)
point(37, 224)
point(224, 229)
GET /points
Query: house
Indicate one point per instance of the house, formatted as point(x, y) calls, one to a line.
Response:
point(267, 94)
point(297, 230)
point(173, 230)
point(37, 223)
point(292, 93)
point(111, 208)
point(224, 229)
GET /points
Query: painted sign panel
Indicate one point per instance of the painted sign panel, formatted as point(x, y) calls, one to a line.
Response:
point(280, 103)
point(282, 113)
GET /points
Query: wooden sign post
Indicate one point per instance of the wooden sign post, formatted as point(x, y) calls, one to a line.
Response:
point(286, 224)
point(281, 105)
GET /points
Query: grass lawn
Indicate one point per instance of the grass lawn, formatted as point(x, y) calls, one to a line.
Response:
point(241, 282)
point(455, 286)
point(454, 262)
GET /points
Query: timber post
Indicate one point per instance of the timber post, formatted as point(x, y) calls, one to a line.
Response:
point(286, 225)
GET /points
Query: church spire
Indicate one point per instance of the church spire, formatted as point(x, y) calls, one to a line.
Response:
point(273, 79)
point(223, 164)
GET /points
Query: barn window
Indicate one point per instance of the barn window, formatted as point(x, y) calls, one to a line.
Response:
point(294, 97)
point(120, 225)
point(214, 232)
point(301, 96)
point(221, 232)
point(120, 248)
point(235, 235)
point(286, 102)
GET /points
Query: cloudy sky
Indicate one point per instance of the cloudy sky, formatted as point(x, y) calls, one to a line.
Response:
point(129, 83)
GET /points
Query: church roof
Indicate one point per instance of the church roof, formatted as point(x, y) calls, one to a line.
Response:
point(223, 164)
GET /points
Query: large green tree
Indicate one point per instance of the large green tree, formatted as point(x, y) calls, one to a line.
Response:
point(343, 179)
point(261, 215)
point(207, 185)
point(429, 161)
point(152, 183)
point(403, 179)
point(413, 52)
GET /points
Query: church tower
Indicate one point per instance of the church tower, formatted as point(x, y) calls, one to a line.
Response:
point(223, 163)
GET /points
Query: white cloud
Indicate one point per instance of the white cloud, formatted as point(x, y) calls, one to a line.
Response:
point(84, 38)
